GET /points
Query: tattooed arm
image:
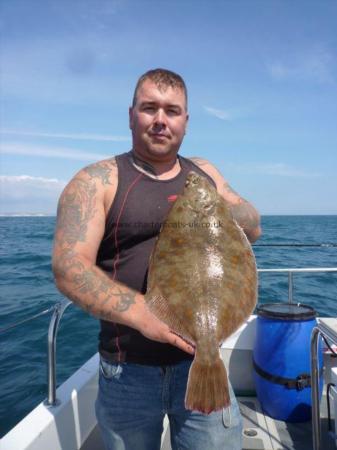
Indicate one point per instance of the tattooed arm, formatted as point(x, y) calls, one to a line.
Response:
point(79, 231)
point(243, 212)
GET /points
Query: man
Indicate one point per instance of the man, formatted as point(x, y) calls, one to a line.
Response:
point(109, 216)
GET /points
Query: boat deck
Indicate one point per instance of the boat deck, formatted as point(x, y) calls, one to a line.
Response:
point(260, 432)
point(71, 423)
point(263, 432)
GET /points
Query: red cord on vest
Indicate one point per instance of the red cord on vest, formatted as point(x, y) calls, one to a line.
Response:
point(116, 259)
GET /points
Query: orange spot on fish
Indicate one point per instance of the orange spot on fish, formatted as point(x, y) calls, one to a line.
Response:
point(177, 241)
point(235, 259)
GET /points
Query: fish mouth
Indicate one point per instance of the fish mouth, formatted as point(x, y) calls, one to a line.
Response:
point(192, 179)
point(199, 193)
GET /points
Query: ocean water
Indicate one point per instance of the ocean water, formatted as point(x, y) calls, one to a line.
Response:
point(26, 288)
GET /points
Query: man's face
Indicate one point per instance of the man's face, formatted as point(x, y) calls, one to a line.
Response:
point(158, 121)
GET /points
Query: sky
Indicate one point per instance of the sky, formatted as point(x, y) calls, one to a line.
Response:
point(261, 78)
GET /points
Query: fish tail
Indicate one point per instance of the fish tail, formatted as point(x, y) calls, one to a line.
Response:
point(207, 387)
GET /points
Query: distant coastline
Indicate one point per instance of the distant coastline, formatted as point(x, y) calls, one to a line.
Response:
point(27, 215)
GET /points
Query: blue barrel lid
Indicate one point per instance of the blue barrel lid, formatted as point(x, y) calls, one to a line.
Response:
point(286, 311)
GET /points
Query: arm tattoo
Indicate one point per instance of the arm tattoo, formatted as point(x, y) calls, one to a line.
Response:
point(86, 284)
point(94, 285)
point(245, 215)
point(67, 261)
point(76, 208)
point(243, 212)
point(125, 300)
point(101, 170)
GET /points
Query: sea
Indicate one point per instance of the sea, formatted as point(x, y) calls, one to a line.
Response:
point(27, 288)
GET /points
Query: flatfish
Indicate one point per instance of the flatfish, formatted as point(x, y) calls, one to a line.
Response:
point(202, 282)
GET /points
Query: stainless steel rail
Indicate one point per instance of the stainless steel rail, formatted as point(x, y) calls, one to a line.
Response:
point(316, 430)
point(52, 334)
point(58, 310)
point(61, 307)
point(317, 332)
point(290, 272)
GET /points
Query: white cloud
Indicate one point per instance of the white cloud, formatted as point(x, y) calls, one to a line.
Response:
point(278, 70)
point(315, 65)
point(77, 136)
point(219, 113)
point(276, 169)
point(28, 178)
point(284, 170)
point(28, 194)
point(19, 148)
point(21, 185)
point(229, 113)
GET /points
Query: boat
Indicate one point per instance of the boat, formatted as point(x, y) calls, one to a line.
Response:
point(66, 419)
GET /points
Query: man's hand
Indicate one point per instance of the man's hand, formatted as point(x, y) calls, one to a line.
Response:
point(153, 328)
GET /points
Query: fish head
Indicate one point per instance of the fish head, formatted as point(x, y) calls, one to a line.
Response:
point(199, 194)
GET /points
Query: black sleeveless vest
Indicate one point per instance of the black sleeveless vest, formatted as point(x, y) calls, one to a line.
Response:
point(133, 223)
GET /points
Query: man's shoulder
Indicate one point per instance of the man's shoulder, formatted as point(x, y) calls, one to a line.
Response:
point(209, 168)
point(206, 166)
point(200, 162)
point(98, 177)
point(98, 180)
point(104, 171)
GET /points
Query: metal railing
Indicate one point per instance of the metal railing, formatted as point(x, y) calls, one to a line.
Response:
point(330, 337)
point(292, 271)
point(58, 311)
point(315, 416)
point(52, 335)
point(53, 327)
point(60, 307)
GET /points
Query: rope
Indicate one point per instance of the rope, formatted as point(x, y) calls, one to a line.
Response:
point(296, 245)
point(13, 325)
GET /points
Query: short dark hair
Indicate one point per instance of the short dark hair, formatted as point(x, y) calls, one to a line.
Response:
point(163, 78)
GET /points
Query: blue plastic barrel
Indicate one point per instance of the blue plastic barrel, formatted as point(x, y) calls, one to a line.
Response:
point(282, 360)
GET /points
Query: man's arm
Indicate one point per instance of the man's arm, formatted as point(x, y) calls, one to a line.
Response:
point(79, 231)
point(243, 212)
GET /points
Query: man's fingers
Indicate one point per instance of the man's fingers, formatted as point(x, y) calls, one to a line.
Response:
point(181, 343)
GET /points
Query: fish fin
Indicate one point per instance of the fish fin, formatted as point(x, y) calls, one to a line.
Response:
point(158, 305)
point(207, 387)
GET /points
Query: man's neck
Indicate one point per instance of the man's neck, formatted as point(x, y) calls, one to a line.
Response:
point(156, 169)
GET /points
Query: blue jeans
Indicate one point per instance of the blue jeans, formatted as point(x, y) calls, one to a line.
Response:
point(133, 400)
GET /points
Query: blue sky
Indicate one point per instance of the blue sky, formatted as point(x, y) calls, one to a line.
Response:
point(261, 76)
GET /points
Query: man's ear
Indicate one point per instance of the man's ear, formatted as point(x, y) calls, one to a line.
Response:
point(130, 117)
point(186, 125)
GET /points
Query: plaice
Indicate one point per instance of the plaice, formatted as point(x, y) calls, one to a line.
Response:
point(202, 283)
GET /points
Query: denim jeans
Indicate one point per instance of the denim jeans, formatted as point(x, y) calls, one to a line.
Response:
point(133, 400)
